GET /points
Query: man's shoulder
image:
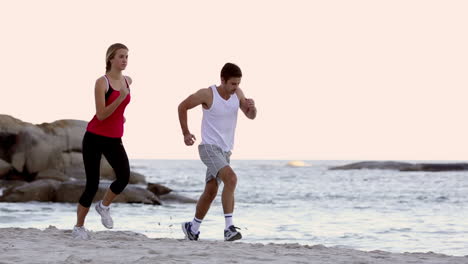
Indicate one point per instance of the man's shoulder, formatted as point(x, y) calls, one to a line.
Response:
point(205, 91)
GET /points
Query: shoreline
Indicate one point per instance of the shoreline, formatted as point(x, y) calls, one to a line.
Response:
point(52, 245)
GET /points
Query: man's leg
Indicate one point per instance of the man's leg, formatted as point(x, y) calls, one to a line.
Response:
point(229, 179)
point(207, 197)
point(203, 205)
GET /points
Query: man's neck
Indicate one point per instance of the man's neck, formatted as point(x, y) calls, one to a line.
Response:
point(222, 92)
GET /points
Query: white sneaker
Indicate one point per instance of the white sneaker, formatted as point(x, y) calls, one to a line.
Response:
point(232, 234)
point(106, 218)
point(79, 232)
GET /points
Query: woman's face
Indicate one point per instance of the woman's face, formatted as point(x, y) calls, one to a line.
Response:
point(119, 61)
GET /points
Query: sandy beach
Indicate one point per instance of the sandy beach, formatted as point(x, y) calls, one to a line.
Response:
point(54, 245)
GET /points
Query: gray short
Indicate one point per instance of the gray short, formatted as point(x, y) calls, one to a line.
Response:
point(215, 159)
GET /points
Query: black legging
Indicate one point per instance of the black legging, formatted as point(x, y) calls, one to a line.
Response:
point(94, 146)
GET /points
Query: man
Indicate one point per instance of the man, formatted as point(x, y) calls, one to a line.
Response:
point(220, 106)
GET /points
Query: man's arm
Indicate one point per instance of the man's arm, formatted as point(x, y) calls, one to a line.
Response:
point(246, 105)
point(198, 98)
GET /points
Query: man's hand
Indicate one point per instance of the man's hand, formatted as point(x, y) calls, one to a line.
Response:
point(189, 139)
point(250, 104)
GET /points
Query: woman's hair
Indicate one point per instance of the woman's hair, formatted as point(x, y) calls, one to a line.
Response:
point(111, 53)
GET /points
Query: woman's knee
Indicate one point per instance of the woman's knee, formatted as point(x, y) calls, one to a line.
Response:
point(87, 197)
point(120, 183)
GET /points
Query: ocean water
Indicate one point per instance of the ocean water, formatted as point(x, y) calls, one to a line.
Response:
point(275, 203)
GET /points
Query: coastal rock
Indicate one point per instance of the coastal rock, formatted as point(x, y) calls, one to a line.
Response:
point(403, 166)
point(70, 192)
point(33, 148)
point(381, 165)
point(5, 168)
point(166, 194)
point(5, 184)
point(176, 198)
point(47, 160)
point(68, 132)
point(40, 190)
point(52, 174)
point(158, 189)
point(11, 126)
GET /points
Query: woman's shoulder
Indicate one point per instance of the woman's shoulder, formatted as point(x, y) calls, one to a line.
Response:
point(102, 81)
point(129, 79)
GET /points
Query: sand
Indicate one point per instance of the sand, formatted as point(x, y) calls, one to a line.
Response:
point(52, 245)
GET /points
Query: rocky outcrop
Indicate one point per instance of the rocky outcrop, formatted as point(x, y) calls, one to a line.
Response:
point(158, 189)
point(40, 190)
point(70, 192)
point(47, 151)
point(44, 163)
point(5, 168)
point(403, 166)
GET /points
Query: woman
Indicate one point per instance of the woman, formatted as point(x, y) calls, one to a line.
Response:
point(103, 137)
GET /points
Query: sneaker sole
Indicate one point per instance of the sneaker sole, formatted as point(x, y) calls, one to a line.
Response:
point(97, 210)
point(186, 235)
point(108, 227)
point(185, 231)
point(236, 237)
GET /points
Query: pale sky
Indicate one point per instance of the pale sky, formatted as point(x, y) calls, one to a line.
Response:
point(331, 79)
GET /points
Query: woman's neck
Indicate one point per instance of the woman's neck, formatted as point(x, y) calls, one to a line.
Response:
point(116, 75)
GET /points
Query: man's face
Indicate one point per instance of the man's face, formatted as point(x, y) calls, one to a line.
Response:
point(232, 84)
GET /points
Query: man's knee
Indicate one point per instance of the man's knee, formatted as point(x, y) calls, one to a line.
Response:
point(228, 176)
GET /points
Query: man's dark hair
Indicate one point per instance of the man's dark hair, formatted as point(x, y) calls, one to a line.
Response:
point(230, 70)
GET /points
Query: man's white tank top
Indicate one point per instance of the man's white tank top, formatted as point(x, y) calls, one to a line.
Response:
point(219, 122)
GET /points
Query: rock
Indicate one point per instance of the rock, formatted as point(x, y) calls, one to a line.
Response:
point(9, 129)
point(437, 167)
point(75, 172)
point(403, 166)
point(35, 151)
point(70, 192)
point(18, 160)
point(382, 165)
point(52, 174)
point(71, 159)
point(30, 148)
point(136, 194)
point(137, 178)
point(172, 197)
point(158, 189)
point(11, 125)
point(69, 132)
point(41, 190)
point(7, 141)
point(5, 168)
point(11, 183)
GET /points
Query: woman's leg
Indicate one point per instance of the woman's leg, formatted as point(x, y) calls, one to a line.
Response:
point(117, 158)
point(92, 162)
